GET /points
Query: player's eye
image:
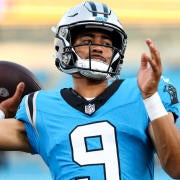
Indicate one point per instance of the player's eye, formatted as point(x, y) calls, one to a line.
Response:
point(107, 42)
point(87, 42)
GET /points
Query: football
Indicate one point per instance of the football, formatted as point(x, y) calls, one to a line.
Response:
point(11, 74)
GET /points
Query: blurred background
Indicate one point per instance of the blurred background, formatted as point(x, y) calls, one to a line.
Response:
point(26, 38)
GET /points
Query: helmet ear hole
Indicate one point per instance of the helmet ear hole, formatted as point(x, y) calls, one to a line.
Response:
point(57, 48)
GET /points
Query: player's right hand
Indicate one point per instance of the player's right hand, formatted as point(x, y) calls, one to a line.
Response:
point(10, 105)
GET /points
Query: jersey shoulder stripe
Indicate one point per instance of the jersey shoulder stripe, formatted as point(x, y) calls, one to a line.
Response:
point(30, 104)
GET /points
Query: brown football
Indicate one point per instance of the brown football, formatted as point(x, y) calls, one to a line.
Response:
point(11, 74)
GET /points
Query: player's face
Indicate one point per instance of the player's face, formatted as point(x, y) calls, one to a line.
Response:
point(94, 45)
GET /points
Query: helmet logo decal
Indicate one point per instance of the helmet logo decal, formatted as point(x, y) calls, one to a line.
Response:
point(98, 18)
point(73, 15)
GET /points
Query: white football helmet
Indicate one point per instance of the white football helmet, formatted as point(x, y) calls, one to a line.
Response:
point(89, 15)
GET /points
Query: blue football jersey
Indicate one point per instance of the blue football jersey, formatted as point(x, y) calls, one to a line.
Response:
point(102, 139)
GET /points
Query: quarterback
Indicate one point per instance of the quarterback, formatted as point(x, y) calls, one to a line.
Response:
point(104, 127)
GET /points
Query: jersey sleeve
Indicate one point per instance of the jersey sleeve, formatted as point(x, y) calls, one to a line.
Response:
point(27, 114)
point(169, 96)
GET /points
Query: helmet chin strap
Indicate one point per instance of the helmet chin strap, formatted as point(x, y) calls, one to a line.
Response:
point(94, 69)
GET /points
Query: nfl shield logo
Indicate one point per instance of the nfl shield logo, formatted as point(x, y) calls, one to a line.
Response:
point(89, 109)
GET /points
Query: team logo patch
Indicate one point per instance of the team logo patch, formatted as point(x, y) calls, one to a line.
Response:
point(89, 109)
point(172, 92)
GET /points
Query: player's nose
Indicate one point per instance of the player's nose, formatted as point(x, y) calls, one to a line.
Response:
point(97, 49)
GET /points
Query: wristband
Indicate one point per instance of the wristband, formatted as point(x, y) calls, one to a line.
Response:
point(2, 115)
point(155, 107)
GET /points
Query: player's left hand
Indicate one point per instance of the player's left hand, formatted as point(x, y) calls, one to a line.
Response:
point(10, 105)
point(150, 71)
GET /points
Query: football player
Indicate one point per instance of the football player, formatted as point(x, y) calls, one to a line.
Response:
point(103, 127)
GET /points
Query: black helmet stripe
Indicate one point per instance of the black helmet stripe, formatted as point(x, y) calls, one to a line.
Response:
point(93, 8)
point(105, 8)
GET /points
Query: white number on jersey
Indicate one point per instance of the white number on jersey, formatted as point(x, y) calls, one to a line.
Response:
point(107, 155)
